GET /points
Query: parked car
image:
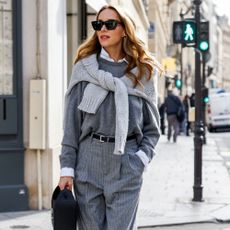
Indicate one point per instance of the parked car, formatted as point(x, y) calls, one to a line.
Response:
point(218, 111)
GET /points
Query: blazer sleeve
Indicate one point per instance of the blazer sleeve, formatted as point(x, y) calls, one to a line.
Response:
point(150, 130)
point(72, 127)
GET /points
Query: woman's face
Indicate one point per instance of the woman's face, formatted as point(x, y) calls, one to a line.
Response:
point(110, 39)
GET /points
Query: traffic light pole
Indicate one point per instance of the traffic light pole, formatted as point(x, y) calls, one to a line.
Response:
point(204, 104)
point(198, 137)
point(181, 69)
point(181, 58)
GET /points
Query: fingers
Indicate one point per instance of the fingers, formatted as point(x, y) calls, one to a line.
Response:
point(65, 182)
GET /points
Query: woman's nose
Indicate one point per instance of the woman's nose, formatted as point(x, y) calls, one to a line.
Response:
point(103, 27)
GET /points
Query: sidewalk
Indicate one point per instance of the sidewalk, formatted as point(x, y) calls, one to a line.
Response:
point(168, 186)
point(166, 197)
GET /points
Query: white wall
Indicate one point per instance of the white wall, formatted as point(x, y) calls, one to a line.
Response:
point(57, 63)
point(53, 61)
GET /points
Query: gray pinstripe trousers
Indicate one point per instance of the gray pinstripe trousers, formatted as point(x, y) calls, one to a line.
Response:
point(107, 186)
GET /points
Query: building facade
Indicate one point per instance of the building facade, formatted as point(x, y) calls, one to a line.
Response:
point(159, 36)
point(225, 54)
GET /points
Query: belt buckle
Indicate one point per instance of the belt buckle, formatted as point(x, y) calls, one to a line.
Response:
point(100, 139)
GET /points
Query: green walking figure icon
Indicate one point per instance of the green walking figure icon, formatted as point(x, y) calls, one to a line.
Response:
point(189, 33)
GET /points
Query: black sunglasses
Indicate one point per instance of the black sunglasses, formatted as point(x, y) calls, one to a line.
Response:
point(110, 24)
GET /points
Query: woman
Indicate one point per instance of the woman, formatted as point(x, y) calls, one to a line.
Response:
point(111, 123)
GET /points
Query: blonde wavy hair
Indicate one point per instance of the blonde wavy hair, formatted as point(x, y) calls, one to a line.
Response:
point(133, 48)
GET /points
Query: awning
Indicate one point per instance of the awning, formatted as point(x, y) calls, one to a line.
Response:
point(96, 5)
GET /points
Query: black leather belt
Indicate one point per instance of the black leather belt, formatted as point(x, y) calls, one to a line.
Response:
point(102, 138)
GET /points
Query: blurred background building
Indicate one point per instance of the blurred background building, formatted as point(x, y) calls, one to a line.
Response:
point(38, 43)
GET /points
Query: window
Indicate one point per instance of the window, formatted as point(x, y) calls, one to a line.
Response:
point(6, 48)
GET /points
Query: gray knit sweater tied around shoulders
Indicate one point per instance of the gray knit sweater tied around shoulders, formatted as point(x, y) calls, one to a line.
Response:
point(99, 83)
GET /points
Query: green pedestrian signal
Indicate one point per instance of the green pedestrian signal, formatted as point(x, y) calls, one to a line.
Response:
point(203, 37)
point(184, 32)
point(189, 31)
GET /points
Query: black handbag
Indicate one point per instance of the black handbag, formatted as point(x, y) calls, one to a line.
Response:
point(65, 210)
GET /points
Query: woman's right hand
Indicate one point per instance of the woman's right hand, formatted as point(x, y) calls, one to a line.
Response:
point(66, 182)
